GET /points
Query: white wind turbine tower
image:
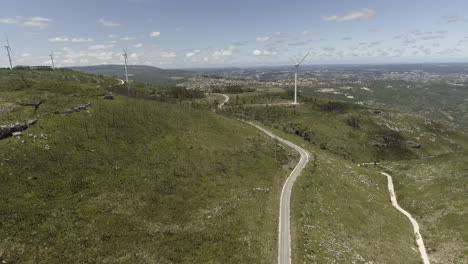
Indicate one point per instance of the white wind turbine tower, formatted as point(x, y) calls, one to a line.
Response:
point(52, 60)
point(126, 60)
point(297, 64)
point(10, 53)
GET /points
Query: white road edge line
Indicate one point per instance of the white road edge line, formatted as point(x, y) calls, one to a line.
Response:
point(419, 239)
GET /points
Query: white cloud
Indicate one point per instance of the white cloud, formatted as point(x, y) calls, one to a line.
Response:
point(223, 52)
point(263, 39)
point(82, 40)
point(168, 54)
point(361, 14)
point(127, 38)
point(100, 47)
point(39, 19)
point(107, 23)
point(25, 55)
point(112, 36)
point(66, 39)
point(192, 53)
point(450, 18)
point(155, 34)
point(257, 52)
point(8, 20)
point(139, 45)
point(306, 33)
point(59, 39)
point(136, 56)
point(36, 22)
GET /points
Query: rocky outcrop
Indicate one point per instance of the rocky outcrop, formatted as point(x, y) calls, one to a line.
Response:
point(10, 130)
point(413, 144)
point(107, 97)
point(75, 109)
point(378, 112)
point(377, 144)
point(6, 108)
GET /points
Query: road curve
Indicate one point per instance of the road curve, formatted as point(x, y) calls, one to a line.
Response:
point(419, 239)
point(284, 226)
point(284, 235)
point(121, 81)
point(226, 99)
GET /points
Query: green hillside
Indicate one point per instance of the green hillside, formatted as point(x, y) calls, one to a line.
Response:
point(141, 73)
point(342, 212)
point(131, 180)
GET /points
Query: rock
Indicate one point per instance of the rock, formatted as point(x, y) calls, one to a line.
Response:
point(378, 112)
point(377, 144)
point(31, 122)
point(107, 97)
point(15, 130)
point(76, 109)
point(413, 144)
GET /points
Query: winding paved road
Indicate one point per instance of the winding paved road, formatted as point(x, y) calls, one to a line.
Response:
point(284, 235)
point(419, 239)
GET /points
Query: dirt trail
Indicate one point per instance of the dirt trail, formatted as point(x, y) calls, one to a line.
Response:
point(419, 239)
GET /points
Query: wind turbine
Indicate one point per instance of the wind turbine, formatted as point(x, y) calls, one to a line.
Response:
point(297, 64)
point(52, 60)
point(126, 60)
point(9, 52)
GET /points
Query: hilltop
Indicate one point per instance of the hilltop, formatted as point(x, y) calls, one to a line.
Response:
point(141, 73)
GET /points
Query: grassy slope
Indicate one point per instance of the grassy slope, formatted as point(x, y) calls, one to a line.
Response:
point(343, 208)
point(434, 190)
point(135, 181)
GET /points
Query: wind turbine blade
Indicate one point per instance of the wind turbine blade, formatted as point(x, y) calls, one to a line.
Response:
point(303, 58)
point(9, 47)
point(293, 61)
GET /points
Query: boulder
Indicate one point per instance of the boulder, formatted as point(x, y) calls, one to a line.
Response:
point(15, 130)
point(379, 112)
point(377, 144)
point(76, 109)
point(413, 144)
point(107, 97)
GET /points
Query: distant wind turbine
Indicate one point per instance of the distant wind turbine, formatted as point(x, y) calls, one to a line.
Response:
point(126, 72)
point(52, 59)
point(297, 64)
point(9, 52)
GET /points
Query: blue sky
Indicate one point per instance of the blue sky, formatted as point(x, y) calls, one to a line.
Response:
point(207, 33)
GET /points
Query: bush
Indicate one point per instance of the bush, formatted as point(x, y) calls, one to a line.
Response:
point(234, 89)
point(353, 121)
point(335, 107)
point(183, 93)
